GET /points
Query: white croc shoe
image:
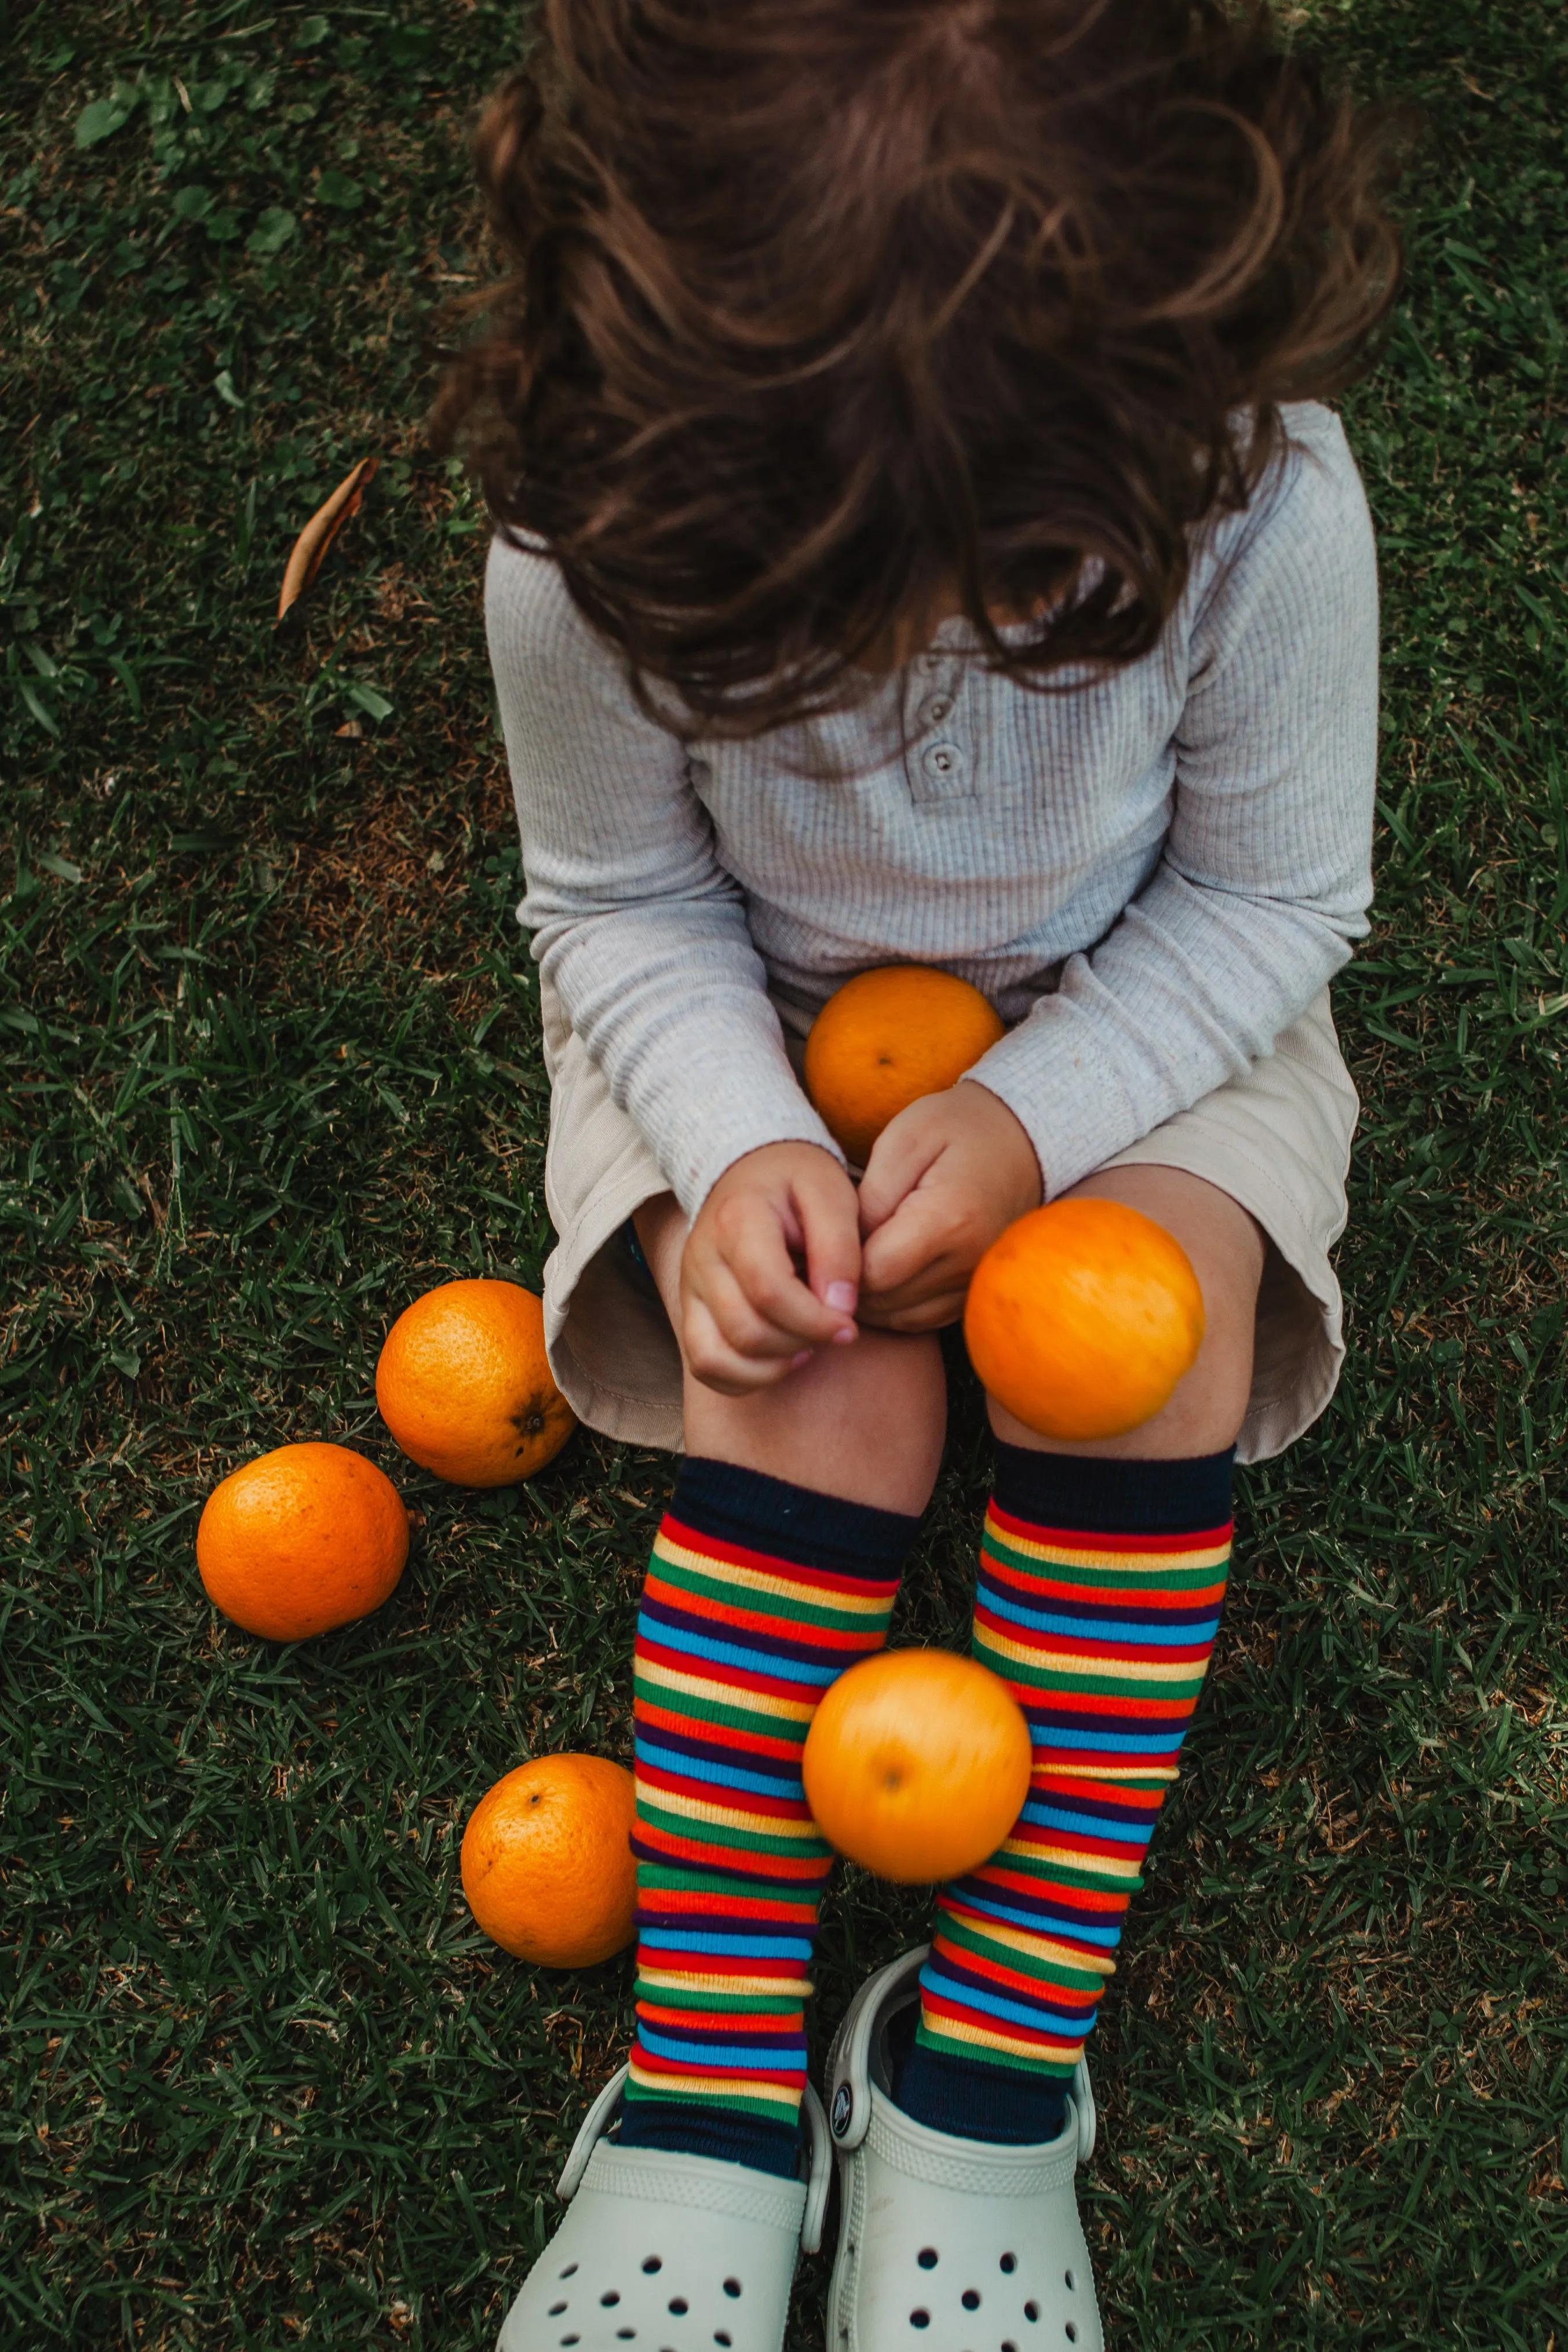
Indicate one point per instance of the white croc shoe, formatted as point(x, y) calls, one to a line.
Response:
point(946, 2244)
point(668, 2253)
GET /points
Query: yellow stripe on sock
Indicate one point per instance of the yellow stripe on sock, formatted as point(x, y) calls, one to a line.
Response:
point(985, 2037)
point(1111, 1867)
point(1089, 1663)
point(717, 1688)
point(725, 1573)
point(712, 2088)
point(1037, 1947)
point(1152, 1564)
point(729, 1817)
point(786, 1989)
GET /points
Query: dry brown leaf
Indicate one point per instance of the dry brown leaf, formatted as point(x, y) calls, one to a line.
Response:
point(310, 547)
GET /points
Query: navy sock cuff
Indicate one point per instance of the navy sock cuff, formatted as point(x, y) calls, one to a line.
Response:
point(708, 2131)
point(1009, 2106)
point(1089, 1491)
point(763, 1514)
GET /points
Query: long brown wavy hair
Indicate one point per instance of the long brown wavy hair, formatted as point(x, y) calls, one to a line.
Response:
point(831, 316)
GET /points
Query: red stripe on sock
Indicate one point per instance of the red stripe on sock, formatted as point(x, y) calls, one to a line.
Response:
point(1098, 1539)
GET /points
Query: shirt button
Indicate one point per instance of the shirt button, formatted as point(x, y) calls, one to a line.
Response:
point(942, 762)
point(933, 711)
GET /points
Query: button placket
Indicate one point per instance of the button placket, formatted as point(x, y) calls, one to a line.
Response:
point(944, 767)
point(939, 761)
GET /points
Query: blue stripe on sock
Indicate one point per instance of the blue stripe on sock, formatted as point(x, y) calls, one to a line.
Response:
point(716, 1745)
point(722, 1776)
point(702, 1939)
point(1173, 1631)
point(1151, 1745)
point(1040, 1810)
point(667, 1636)
point(1042, 1922)
point(759, 2053)
point(1016, 2012)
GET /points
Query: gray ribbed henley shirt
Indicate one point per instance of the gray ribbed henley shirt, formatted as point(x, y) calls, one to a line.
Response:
point(1150, 876)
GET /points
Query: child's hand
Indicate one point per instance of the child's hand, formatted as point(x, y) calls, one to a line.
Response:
point(747, 1317)
point(943, 1180)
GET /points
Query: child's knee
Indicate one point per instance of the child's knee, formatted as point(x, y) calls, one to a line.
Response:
point(1226, 1246)
point(865, 1422)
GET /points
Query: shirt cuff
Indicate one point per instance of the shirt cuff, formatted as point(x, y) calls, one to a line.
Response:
point(718, 1133)
point(1068, 1096)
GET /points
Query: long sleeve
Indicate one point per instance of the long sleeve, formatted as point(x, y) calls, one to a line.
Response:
point(1265, 878)
point(635, 922)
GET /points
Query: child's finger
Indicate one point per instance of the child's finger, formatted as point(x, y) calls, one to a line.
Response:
point(755, 1252)
point(900, 1158)
point(739, 1321)
point(933, 1314)
point(923, 1239)
point(829, 1215)
point(719, 1366)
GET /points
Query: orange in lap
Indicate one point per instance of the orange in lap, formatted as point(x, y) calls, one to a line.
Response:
point(886, 1038)
point(547, 1861)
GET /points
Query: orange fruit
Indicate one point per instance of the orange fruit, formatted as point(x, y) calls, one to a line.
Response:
point(301, 1540)
point(1082, 1316)
point(547, 1861)
point(917, 1764)
point(466, 1387)
point(886, 1038)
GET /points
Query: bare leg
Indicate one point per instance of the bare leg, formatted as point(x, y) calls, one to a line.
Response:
point(1226, 1247)
point(864, 1423)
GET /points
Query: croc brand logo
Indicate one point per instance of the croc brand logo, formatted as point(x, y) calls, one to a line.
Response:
point(842, 2109)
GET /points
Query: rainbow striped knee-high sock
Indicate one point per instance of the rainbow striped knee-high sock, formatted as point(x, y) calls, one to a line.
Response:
point(1100, 1595)
point(759, 1594)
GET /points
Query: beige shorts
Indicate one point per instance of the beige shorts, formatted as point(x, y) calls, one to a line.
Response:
point(1278, 1139)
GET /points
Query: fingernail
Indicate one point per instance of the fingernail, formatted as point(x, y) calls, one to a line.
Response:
point(843, 1336)
point(841, 1298)
point(796, 1361)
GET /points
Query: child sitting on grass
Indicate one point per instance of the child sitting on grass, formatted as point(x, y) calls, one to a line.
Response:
point(920, 543)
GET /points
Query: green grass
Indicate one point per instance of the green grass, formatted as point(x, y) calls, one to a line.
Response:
point(272, 1069)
